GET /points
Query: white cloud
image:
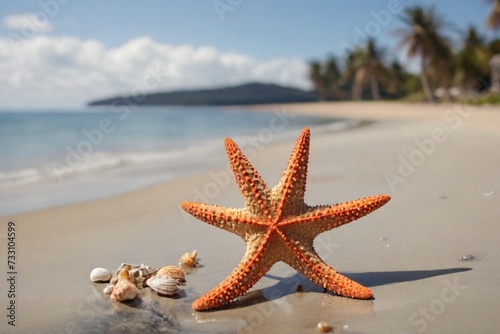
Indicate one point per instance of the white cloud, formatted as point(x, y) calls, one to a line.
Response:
point(67, 71)
point(29, 23)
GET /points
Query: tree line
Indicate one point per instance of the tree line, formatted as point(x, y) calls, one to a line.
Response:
point(445, 72)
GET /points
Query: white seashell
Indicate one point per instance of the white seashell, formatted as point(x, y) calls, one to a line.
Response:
point(174, 272)
point(124, 290)
point(100, 275)
point(108, 289)
point(164, 285)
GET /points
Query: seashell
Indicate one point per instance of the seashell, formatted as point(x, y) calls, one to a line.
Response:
point(189, 259)
point(163, 285)
point(324, 327)
point(125, 272)
point(174, 272)
point(100, 275)
point(124, 288)
point(108, 289)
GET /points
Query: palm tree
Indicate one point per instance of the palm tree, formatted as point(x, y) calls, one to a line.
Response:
point(354, 74)
point(331, 75)
point(325, 78)
point(316, 77)
point(375, 67)
point(472, 60)
point(494, 17)
point(424, 39)
point(365, 65)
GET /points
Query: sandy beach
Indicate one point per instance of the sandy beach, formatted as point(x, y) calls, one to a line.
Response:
point(430, 256)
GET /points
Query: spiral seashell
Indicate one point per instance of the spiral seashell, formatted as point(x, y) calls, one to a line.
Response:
point(124, 288)
point(174, 272)
point(100, 275)
point(163, 285)
point(189, 259)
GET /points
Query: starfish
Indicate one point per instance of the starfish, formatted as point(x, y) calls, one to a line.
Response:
point(277, 225)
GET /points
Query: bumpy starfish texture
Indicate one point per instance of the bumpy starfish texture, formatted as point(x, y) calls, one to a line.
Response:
point(277, 225)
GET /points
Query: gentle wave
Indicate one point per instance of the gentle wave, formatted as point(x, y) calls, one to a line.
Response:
point(18, 177)
point(67, 166)
point(62, 168)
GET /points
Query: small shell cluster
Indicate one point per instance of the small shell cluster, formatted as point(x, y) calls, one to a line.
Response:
point(139, 273)
point(130, 278)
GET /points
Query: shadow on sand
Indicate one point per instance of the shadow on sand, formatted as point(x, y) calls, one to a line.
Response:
point(288, 285)
point(371, 279)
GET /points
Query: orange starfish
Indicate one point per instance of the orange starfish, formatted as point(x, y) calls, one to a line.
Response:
point(277, 225)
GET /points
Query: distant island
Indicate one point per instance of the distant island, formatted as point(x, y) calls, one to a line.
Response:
point(246, 94)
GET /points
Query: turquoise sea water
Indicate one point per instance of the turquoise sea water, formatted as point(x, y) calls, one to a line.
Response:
point(56, 157)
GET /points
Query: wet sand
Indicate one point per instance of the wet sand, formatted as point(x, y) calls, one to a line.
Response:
point(440, 164)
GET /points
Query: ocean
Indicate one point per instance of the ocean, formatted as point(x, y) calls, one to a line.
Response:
point(55, 157)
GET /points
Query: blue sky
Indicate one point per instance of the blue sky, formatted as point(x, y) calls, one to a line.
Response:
point(80, 50)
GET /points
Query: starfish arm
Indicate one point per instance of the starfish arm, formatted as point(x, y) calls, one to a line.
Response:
point(253, 188)
point(292, 185)
point(228, 219)
point(324, 218)
point(252, 267)
point(303, 258)
point(311, 266)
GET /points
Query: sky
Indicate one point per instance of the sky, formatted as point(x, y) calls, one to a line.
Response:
point(64, 53)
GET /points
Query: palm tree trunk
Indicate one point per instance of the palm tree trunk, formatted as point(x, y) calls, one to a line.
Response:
point(357, 88)
point(374, 88)
point(425, 81)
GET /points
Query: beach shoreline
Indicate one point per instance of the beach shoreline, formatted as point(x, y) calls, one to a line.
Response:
point(74, 164)
point(438, 164)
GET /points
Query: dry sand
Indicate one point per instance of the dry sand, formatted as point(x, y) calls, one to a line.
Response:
point(440, 164)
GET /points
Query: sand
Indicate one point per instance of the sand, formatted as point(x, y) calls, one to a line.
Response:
point(439, 163)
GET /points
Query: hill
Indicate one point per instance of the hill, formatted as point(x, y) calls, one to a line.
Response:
point(252, 93)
